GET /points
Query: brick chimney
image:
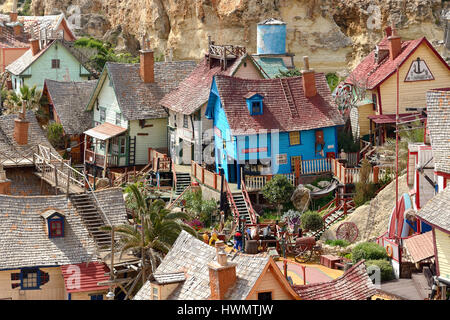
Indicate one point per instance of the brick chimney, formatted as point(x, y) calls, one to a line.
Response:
point(395, 44)
point(35, 46)
point(21, 127)
point(17, 28)
point(13, 16)
point(309, 79)
point(222, 274)
point(147, 67)
point(5, 183)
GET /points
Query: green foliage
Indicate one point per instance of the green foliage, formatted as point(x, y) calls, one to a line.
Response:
point(346, 142)
point(287, 74)
point(338, 242)
point(26, 8)
point(103, 52)
point(13, 102)
point(312, 220)
point(55, 134)
point(364, 189)
point(386, 269)
point(368, 251)
point(199, 208)
point(278, 191)
point(333, 80)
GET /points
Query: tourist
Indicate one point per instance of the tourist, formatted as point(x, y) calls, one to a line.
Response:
point(214, 238)
point(238, 241)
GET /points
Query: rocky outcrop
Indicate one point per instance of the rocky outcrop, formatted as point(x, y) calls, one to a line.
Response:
point(336, 34)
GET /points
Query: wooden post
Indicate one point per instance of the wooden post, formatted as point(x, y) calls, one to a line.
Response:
point(143, 250)
point(111, 274)
point(68, 183)
point(304, 274)
point(376, 172)
point(106, 159)
point(56, 179)
point(297, 171)
point(203, 175)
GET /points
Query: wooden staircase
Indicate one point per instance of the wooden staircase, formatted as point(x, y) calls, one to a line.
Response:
point(183, 181)
point(241, 206)
point(92, 218)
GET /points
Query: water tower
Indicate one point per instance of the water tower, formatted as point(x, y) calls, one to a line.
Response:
point(271, 37)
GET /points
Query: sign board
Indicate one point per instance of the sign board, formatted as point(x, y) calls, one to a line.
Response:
point(418, 71)
point(253, 150)
point(282, 158)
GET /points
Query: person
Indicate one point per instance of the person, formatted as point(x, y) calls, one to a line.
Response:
point(254, 233)
point(238, 241)
point(214, 238)
point(266, 232)
point(222, 221)
point(206, 237)
point(248, 233)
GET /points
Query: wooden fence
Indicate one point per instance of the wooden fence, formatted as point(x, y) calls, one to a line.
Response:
point(208, 178)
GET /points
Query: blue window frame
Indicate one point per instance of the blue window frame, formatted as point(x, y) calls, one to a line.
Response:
point(30, 278)
point(96, 297)
point(55, 224)
point(255, 104)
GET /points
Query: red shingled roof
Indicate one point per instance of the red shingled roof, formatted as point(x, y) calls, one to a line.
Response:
point(354, 284)
point(90, 274)
point(376, 73)
point(9, 40)
point(420, 247)
point(305, 114)
point(193, 91)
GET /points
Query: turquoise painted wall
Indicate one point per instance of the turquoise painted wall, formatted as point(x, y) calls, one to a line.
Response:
point(70, 69)
point(271, 39)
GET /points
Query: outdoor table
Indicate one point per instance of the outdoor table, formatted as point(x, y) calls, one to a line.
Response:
point(329, 261)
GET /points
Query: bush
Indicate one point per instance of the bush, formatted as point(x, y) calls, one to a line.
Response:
point(339, 243)
point(278, 191)
point(387, 272)
point(55, 135)
point(368, 251)
point(312, 220)
point(199, 208)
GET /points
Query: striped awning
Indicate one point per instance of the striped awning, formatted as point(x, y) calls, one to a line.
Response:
point(105, 131)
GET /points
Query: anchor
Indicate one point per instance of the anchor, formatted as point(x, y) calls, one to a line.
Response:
point(417, 67)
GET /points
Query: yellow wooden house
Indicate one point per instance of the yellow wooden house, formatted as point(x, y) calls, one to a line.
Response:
point(420, 68)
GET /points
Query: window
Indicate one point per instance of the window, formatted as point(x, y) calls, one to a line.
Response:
point(102, 145)
point(102, 114)
point(375, 103)
point(56, 229)
point(185, 121)
point(293, 159)
point(122, 144)
point(30, 278)
point(294, 138)
point(55, 63)
point(256, 107)
point(96, 296)
point(264, 295)
point(175, 120)
point(118, 118)
point(155, 295)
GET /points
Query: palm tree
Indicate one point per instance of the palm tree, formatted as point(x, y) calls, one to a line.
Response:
point(29, 97)
point(158, 230)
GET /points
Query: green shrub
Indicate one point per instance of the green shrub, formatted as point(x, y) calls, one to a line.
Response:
point(55, 135)
point(368, 251)
point(338, 242)
point(311, 220)
point(199, 208)
point(278, 191)
point(387, 272)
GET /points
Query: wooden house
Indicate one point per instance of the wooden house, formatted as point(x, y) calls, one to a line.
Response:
point(437, 214)
point(267, 127)
point(193, 270)
point(127, 117)
point(67, 102)
point(15, 32)
point(48, 250)
point(56, 60)
point(420, 68)
point(190, 131)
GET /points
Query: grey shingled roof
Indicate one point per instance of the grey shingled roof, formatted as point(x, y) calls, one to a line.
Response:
point(169, 277)
point(437, 210)
point(23, 239)
point(27, 59)
point(192, 256)
point(69, 101)
point(438, 122)
point(138, 100)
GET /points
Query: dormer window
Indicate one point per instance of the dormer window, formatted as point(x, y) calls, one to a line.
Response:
point(254, 103)
point(55, 223)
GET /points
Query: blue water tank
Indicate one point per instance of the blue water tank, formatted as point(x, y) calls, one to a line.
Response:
point(271, 37)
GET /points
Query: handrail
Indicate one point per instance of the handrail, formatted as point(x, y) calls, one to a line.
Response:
point(248, 202)
point(231, 201)
point(91, 190)
point(174, 174)
point(178, 198)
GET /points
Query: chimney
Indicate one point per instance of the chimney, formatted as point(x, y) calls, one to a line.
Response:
point(222, 274)
point(309, 79)
point(147, 68)
point(388, 31)
point(5, 183)
point(35, 47)
point(13, 14)
point(395, 44)
point(21, 127)
point(17, 27)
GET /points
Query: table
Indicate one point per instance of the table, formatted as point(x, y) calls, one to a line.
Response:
point(329, 261)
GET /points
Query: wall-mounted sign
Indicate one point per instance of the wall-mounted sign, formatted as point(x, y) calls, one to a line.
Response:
point(419, 71)
point(253, 150)
point(331, 146)
point(282, 158)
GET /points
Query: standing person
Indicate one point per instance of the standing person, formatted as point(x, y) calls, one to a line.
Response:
point(214, 238)
point(206, 237)
point(238, 241)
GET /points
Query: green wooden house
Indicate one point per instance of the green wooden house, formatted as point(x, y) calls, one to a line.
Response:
point(57, 60)
point(127, 117)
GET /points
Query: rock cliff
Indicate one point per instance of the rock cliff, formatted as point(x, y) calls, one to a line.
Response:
point(336, 34)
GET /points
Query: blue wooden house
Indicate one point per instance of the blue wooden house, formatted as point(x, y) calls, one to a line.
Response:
point(267, 127)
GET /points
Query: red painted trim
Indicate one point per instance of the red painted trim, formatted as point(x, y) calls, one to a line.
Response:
point(443, 174)
point(433, 225)
point(436, 259)
point(380, 111)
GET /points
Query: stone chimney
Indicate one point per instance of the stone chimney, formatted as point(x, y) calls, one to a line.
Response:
point(147, 67)
point(21, 127)
point(395, 44)
point(5, 183)
point(309, 79)
point(222, 274)
point(35, 46)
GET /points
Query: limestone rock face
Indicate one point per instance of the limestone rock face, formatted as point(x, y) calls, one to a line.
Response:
point(336, 34)
point(300, 198)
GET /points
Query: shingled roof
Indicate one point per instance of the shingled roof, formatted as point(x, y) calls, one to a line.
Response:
point(191, 256)
point(372, 74)
point(9, 40)
point(138, 100)
point(69, 101)
point(354, 284)
point(193, 92)
point(309, 113)
point(438, 123)
point(23, 238)
point(436, 211)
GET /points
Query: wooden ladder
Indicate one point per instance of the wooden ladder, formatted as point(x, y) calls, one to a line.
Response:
point(289, 97)
point(132, 151)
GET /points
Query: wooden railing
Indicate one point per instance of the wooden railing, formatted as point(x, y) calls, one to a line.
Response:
point(224, 51)
point(233, 206)
point(159, 161)
point(315, 166)
point(248, 203)
point(206, 177)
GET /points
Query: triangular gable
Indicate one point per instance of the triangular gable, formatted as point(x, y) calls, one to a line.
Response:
point(284, 284)
point(98, 88)
point(418, 71)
